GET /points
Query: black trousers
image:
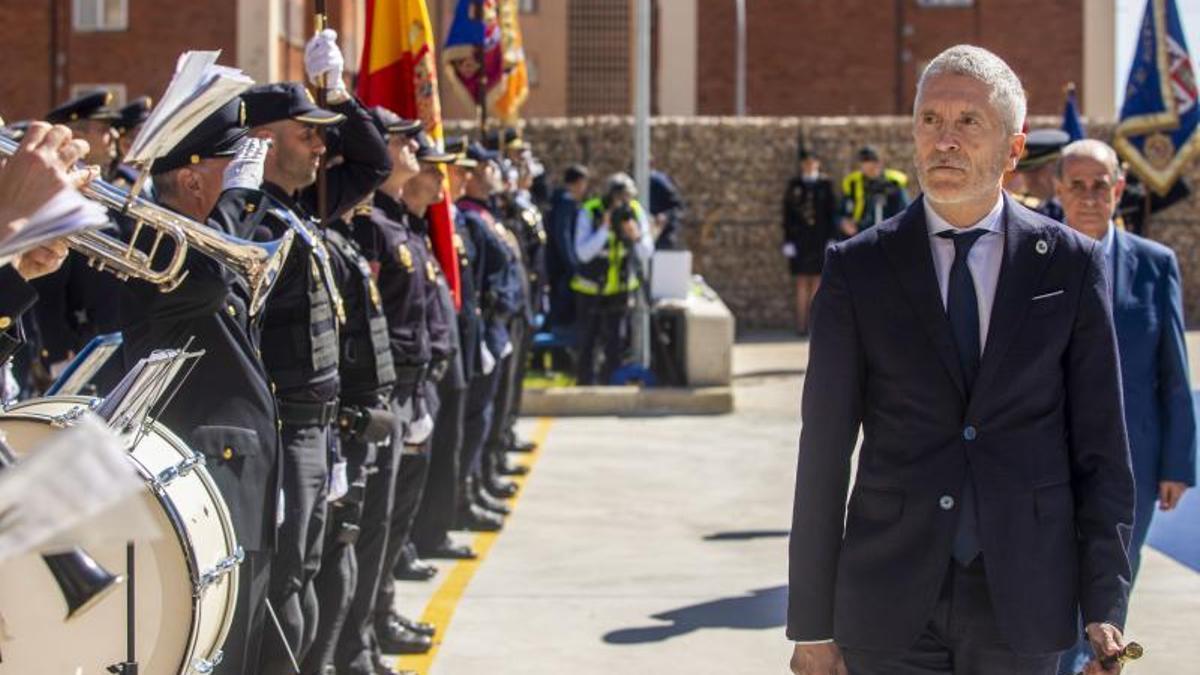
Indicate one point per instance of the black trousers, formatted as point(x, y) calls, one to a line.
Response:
point(357, 640)
point(962, 638)
point(439, 503)
point(301, 539)
point(512, 372)
point(250, 623)
point(410, 485)
point(477, 420)
point(335, 583)
point(601, 322)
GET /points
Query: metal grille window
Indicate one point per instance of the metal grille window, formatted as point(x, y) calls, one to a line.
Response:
point(598, 58)
point(100, 15)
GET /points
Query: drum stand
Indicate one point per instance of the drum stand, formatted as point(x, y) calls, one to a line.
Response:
point(130, 665)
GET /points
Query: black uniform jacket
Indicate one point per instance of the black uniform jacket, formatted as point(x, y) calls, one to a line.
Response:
point(225, 408)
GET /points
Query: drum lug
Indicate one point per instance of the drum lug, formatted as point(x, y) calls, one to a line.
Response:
point(69, 418)
point(204, 666)
point(169, 474)
point(223, 567)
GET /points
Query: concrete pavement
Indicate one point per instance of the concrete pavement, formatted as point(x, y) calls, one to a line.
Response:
point(657, 545)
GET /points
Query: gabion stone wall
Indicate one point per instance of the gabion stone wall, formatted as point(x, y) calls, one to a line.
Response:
point(732, 173)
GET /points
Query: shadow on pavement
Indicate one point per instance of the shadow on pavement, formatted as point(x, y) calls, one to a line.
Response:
point(745, 535)
point(760, 609)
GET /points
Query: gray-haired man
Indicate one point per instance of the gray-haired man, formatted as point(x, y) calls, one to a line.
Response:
point(971, 340)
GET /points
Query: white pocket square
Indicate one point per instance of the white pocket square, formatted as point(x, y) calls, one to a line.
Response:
point(1044, 296)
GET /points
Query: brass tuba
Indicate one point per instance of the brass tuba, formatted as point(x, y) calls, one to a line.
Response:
point(257, 263)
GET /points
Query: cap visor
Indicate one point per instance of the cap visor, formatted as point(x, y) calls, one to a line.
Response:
point(320, 117)
point(405, 127)
point(437, 158)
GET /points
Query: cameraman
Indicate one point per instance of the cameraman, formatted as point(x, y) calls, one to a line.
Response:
point(607, 228)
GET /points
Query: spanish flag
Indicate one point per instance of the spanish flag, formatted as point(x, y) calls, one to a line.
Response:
point(516, 82)
point(399, 72)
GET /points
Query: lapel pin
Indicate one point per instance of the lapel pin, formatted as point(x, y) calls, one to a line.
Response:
point(1042, 247)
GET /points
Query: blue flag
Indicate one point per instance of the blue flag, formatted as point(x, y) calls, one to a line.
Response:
point(1072, 122)
point(474, 52)
point(1157, 131)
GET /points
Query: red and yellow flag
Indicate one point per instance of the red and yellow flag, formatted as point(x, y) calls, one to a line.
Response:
point(516, 82)
point(399, 72)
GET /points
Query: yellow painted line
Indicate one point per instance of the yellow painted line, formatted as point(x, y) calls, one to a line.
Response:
point(440, 609)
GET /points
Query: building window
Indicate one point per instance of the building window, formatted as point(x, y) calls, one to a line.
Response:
point(117, 90)
point(528, 6)
point(101, 15)
point(295, 13)
point(532, 71)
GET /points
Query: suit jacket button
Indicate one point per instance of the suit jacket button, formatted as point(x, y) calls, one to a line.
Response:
point(946, 502)
point(969, 433)
point(227, 453)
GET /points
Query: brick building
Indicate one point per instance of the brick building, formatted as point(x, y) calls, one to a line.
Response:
point(56, 49)
point(804, 57)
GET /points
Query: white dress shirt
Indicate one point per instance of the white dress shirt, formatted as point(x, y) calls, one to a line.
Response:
point(984, 259)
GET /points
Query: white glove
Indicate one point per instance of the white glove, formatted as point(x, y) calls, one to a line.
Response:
point(280, 510)
point(405, 413)
point(486, 361)
point(246, 169)
point(323, 57)
point(339, 484)
point(419, 431)
point(789, 249)
point(508, 349)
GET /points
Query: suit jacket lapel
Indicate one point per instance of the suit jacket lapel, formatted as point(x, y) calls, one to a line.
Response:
point(1027, 251)
point(907, 248)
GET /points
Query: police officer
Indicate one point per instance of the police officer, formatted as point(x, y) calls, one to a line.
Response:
point(229, 415)
point(302, 318)
point(500, 297)
point(610, 228)
point(78, 301)
point(1032, 183)
point(871, 194)
point(383, 230)
point(394, 631)
point(438, 512)
point(126, 127)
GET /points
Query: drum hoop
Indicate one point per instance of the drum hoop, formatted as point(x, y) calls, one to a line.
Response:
point(176, 519)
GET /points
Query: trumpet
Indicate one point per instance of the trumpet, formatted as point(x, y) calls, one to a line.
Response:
point(257, 263)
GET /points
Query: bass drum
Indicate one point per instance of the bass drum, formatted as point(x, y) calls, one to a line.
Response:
point(186, 581)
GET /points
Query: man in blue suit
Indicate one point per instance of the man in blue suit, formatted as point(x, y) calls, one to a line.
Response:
point(1148, 314)
point(971, 341)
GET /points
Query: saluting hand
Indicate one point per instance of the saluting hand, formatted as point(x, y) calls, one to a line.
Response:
point(818, 659)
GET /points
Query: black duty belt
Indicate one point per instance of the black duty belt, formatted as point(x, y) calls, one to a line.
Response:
point(303, 413)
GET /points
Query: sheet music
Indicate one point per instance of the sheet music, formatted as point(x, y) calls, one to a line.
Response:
point(67, 212)
point(76, 489)
point(198, 88)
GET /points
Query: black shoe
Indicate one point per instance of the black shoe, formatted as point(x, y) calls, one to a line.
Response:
point(507, 468)
point(523, 446)
point(501, 488)
point(396, 639)
point(475, 519)
point(486, 500)
point(418, 627)
point(382, 668)
point(448, 550)
point(412, 568)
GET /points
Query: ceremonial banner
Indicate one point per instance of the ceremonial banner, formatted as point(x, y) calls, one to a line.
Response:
point(474, 54)
point(1157, 131)
point(516, 78)
point(1072, 122)
point(399, 72)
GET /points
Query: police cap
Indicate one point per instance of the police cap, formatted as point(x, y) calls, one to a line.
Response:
point(1042, 146)
point(389, 122)
point(429, 153)
point(133, 114)
point(457, 146)
point(217, 136)
point(267, 103)
point(93, 106)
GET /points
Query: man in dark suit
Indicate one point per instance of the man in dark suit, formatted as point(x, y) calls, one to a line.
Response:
point(972, 341)
point(1148, 314)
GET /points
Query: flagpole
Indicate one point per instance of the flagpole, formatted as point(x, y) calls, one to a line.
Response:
point(320, 21)
point(483, 85)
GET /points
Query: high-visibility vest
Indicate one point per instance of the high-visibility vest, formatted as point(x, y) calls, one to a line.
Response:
point(853, 186)
point(609, 272)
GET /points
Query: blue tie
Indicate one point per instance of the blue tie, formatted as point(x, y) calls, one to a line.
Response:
point(962, 307)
